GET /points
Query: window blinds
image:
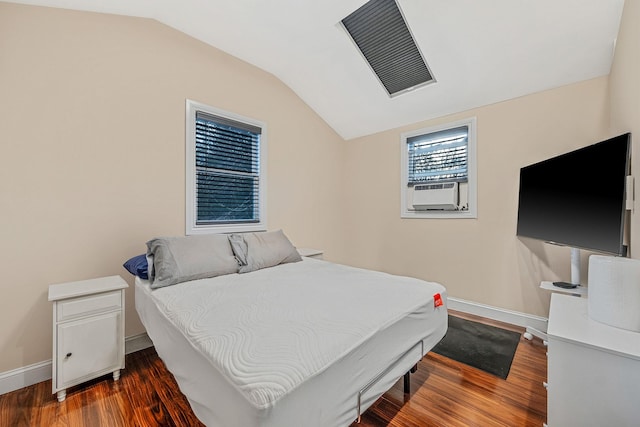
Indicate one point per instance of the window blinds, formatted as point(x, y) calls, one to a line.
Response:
point(438, 156)
point(227, 170)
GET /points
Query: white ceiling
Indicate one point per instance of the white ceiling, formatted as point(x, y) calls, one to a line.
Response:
point(480, 52)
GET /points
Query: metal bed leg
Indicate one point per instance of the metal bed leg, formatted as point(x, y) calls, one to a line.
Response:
point(407, 379)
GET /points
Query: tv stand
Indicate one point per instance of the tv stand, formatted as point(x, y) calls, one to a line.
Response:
point(575, 266)
point(573, 288)
point(578, 291)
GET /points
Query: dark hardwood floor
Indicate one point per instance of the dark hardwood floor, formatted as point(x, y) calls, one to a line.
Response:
point(443, 393)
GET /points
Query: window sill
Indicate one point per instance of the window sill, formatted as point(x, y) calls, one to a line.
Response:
point(439, 214)
point(226, 228)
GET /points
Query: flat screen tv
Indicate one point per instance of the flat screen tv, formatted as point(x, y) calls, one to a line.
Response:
point(577, 199)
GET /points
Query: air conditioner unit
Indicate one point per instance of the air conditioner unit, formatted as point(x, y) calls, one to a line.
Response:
point(442, 197)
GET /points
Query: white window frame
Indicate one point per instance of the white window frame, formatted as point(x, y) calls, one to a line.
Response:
point(192, 107)
point(472, 212)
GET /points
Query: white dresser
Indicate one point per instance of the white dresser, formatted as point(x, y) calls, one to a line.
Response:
point(88, 331)
point(593, 369)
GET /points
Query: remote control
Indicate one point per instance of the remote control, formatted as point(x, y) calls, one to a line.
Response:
point(565, 285)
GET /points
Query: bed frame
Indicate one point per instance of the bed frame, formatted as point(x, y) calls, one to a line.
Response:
point(173, 348)
point(407, 377)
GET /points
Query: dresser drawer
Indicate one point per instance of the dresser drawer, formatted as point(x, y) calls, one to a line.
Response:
point(88, 305)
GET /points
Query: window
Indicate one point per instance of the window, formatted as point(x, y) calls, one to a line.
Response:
point(439, 171)
point(225, 171)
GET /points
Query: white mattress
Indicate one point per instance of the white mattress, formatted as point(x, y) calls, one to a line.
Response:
point(290, 344)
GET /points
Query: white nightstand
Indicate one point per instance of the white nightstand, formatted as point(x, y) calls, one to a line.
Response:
point(88, 331)
point(311, 253)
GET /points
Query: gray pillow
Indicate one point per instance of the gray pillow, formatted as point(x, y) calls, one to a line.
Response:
point(261, 250)
point(180, 259)
point(239, 247)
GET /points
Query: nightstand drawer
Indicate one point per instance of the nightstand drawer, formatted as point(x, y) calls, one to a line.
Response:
point(90, 304)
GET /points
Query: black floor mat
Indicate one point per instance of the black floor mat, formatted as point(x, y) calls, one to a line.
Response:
point(482, 346)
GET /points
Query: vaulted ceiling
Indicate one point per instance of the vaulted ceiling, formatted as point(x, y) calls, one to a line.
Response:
point(480, 52)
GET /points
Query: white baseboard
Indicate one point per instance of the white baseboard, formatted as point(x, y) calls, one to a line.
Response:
point(41, 371)
point(25, 376)
point(137, 342)
point(500, 314)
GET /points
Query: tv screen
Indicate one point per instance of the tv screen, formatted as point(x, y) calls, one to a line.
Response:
point(577, 199)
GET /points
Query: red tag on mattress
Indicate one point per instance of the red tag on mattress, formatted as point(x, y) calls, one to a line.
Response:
point(437, 300)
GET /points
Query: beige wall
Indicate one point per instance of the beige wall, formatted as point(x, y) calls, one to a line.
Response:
point(92, 154)
point(92, 166)
point(625, 97)
point(481, 259)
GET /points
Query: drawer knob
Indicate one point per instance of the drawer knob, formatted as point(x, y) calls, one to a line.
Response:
point(68, 355)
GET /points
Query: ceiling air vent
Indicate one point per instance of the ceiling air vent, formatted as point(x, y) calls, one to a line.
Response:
point(381, 33)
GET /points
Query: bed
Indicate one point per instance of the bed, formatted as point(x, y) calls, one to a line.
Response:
point(300, 343)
